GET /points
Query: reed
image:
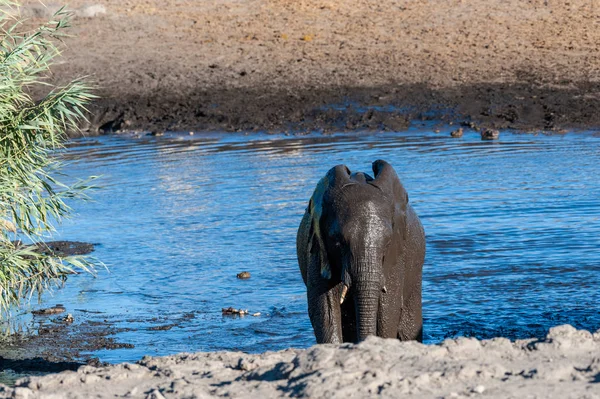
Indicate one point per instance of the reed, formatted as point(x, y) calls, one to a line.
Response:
point(32, 132)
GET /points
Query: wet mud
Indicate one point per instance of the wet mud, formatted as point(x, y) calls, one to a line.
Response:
point(522, 107)
point(56, 340)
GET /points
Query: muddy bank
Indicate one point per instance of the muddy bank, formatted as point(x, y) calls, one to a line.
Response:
point(515, 106)
point(565, 364)
point(56, 338)
point(274, 65)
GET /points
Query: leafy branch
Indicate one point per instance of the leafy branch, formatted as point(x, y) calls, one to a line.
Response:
point(32, 200)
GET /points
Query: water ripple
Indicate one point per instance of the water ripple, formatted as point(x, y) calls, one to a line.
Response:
point(512, 233)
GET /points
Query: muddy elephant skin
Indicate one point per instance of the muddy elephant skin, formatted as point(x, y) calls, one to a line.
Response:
point(361, 249)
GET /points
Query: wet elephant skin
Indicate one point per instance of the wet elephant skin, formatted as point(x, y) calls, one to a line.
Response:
point(361, 249)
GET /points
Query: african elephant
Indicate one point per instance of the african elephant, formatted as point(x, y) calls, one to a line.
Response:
point(361, 249)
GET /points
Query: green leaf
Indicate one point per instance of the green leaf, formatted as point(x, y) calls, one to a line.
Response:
point(32, 199)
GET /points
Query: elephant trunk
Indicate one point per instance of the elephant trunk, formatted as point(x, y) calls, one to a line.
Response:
point(366, 284)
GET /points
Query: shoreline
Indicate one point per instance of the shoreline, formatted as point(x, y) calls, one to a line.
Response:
point(521, 107)
point(565, 364)
point(272, 65)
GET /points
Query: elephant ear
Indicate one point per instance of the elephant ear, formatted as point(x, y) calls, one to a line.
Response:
point(335, 179)
point(316, 243)
point(389, 183)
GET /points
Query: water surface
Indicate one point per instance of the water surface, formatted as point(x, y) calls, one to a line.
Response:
point(512, 229)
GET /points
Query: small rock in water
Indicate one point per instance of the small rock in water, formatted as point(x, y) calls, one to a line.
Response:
point(471, 125)
point(457, 133)
point(232, 311)
point(68, 319)
point(156, 133)
point(48, 311)
point(256, 314)
point(489, 134)
point(161, 328)
point(243, 275)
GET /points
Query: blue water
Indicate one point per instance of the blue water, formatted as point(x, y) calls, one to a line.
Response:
point(513, 231)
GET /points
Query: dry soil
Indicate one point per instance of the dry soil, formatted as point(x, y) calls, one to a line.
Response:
point(300, 65)
point(564, 365)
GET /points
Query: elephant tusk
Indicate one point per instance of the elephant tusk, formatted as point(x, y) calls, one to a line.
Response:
point(344, 292)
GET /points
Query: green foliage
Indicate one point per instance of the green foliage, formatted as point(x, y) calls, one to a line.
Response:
point(31, 132)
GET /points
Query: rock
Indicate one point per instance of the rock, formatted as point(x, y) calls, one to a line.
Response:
point(243, 275)
point(457, 133)
point(479, 389)
point(471, 125)
point(68, 319)
point(49, 311)
point(161, 328)
point(489, 134)
point(91, 11)
point(232, 311)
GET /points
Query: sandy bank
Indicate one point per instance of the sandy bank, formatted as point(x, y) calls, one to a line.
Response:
point(274, 64)
point(566, 364)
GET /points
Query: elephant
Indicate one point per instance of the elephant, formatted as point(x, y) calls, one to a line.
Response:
point(361, 249)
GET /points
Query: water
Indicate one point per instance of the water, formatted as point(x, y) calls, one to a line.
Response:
point(512, 228)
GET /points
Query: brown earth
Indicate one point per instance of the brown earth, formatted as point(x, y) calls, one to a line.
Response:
point(278, 64)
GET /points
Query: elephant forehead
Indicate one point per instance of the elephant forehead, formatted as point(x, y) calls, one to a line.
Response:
point(360, 202)
point(364, 218)
point(369, 213)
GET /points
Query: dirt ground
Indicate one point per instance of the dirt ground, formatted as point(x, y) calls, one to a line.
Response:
point(565, 364)
point(280, 65)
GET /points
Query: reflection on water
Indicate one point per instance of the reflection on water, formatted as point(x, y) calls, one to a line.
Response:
point(512, 234)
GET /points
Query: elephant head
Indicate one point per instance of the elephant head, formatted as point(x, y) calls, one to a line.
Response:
point(354, 218)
